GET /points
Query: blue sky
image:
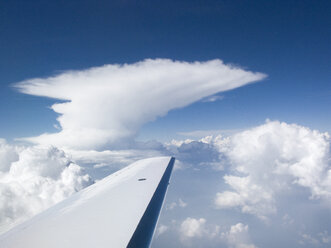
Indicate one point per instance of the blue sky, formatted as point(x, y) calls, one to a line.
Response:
point(133, 79)
point(288, 40)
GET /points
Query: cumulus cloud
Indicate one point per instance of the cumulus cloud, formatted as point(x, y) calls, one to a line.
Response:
point(8, 154)
point(262, 164)
point(192, 227)
point(237, 237)
point(272, 158)
point(196, 228)
point(249, 195)
point(161, 229)
point(173, 205)
point(108, 104)
point(34, 178)
point(276, 171)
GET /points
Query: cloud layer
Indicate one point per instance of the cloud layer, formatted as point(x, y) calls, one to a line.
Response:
point(34, 178)
point(276, 172)
point(108, 104)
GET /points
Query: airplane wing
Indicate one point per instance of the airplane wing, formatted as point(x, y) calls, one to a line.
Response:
point(117, 212)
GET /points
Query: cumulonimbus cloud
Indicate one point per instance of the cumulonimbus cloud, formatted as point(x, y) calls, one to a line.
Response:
point(103, 105)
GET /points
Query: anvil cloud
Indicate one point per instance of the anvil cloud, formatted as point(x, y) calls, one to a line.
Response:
point(107, 104)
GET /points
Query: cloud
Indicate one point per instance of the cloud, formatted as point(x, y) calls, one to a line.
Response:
point(272, 158)
point(198, 134)
point(107, 105)
point(161, 229)
point(261, 175)
point(196, 228)
point(259, 171)
point(112, 158)
point(8, 154)
point(195, 152)
point(264, 167)
point(321, 239)
point(173, 205)
point(307, 238)
point(34, 178)
point(181, 203)
point(252, 197)
point(192, 227)
point(213, 98)
point(237, 237)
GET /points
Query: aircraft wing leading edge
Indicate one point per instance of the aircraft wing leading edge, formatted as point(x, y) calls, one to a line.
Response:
point(119, 211)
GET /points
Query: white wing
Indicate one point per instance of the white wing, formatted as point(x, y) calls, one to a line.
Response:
point(117, 212)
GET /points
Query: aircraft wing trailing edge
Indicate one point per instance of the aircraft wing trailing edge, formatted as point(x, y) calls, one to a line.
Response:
point(120, 211)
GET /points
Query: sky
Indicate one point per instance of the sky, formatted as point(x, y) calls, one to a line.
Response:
point(238, 91)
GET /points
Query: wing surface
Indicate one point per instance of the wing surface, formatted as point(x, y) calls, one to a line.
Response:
point(117, 212)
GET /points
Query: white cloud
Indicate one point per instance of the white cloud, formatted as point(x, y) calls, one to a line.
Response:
point(263, 164)
point(228, 199)
point(178, 143)
point(34, 178)
point(161, 229)
point(181, 203)
point(196, 228)
point(285, 149)
point(173, 205)
point(198, 134)
point(192, 227)
point(112, 158)
point(213, 98)
point(255, 180)
point(250, 196)
point(8, 154)
point(237, 237)
point(272, 158)
point(108, 104)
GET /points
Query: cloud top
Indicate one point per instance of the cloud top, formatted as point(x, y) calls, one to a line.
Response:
point(103, 105)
